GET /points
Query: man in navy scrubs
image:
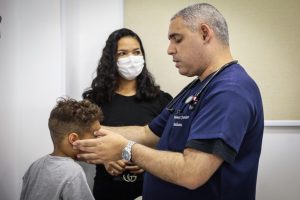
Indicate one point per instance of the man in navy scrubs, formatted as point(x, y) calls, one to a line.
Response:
point(208, 140)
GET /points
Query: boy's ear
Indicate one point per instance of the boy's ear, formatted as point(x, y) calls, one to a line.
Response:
point(73, 137)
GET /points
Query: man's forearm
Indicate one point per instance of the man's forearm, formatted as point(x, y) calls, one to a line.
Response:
point(139, 134)
point(190, 169)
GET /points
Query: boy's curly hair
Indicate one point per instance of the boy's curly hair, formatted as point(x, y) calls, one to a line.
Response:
point(70, 116)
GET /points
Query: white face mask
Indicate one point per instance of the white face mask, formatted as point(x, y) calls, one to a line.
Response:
point(130, 67)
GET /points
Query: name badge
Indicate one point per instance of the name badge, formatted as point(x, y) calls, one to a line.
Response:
point(180, 119)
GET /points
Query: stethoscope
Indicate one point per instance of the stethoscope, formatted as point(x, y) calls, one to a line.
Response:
point(194, 99)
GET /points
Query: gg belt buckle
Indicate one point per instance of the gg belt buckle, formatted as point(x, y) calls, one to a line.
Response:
point(129, 177)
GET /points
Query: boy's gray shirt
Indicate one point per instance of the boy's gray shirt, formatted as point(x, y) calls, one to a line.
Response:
point(54, 177)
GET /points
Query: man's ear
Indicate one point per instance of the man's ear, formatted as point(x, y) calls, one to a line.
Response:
point(205, 31)
point(73, 137)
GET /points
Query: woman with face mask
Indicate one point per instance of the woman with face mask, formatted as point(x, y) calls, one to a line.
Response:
point(128, 95)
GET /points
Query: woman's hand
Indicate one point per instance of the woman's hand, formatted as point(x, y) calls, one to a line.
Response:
point(115, 168)
point(134, 169)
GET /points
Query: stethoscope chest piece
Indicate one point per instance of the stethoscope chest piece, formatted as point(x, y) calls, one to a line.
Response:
point(189, 99)
point(192, 100)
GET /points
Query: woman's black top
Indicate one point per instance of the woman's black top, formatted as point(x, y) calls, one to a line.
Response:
point(125, 111)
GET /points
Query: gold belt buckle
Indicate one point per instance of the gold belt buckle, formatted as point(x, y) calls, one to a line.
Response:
point(129, 177)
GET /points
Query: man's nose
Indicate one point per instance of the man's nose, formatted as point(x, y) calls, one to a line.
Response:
point(171, 49)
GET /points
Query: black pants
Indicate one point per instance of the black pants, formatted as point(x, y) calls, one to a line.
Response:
point(117, 190)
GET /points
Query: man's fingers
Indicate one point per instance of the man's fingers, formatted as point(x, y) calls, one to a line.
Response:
point(85, 143)
point(102, 132)
point(90, 158)
point(87, 149)
point(96, 161)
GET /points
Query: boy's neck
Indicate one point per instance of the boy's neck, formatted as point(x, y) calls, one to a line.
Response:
point(58, 152)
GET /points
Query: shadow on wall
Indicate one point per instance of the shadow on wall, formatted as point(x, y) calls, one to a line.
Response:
point(0, 23)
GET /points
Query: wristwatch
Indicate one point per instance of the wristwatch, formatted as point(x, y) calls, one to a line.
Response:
point(126, 152)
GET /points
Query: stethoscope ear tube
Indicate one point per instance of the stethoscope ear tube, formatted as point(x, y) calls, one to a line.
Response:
point(193, 99)
point(170, 107)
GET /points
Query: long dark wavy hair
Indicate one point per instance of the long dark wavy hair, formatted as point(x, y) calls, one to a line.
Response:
point(106, 82)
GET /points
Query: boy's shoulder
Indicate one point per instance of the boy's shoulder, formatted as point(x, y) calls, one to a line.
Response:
point(54, 160)
point(55, 173)
point(62, 165)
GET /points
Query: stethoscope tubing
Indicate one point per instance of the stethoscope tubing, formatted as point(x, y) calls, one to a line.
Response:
point(194, 99)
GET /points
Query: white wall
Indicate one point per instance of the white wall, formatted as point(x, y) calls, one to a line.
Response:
point(29, 60)
point(278, 175)
point(85, 28)
point(256, 41)
point(48, 48)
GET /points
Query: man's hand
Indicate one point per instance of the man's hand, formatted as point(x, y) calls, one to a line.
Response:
point(105, 148)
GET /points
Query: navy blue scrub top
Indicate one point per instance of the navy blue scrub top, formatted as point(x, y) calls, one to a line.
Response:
point(230, 110)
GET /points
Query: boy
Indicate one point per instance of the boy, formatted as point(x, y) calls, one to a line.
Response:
point(58, 176)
